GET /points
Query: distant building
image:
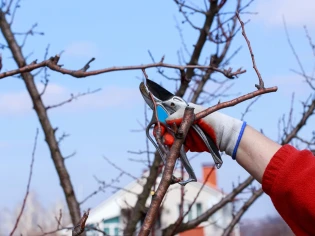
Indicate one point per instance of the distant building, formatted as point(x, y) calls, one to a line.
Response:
point(112, 214)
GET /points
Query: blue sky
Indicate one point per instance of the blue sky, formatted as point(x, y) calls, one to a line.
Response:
point(121, 33)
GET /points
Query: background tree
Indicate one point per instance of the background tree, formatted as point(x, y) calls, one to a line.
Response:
point(212, 50)
point(269, 226)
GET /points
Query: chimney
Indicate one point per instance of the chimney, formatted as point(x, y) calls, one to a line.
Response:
point(212, 179)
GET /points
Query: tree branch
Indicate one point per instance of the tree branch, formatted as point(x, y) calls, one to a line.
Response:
point(205, 216)
point(28, 186)
point(240, 213)
point(51, 63)
point(210, 14)
point(72, 97)
point(139, 208)
point(216, 59)
point(233, 102)
point(168, 172)
point(42, 115)
point(171, 229)
point(80, 227)
point(302, 122)
point(261, 82)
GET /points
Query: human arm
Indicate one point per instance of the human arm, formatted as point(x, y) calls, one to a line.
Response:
point(287, 174)
point(251, 149)
point(255, 152)
point(289, 180)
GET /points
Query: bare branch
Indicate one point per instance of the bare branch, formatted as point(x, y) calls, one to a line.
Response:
point(73, 97)
point(217, 58)
point(180, 219)
point(146, 122)
point(309, 112)
point(247, 110)
point(181, 5)
point(52, 64)
point(168, 172)
point(139, 207)
point(70, 155)
point(8, 7)
point(203, 217)
point(261, 82)
point(210, 15)
point(0, 62)
point(28, 186)
point(292, 48)
point(308, 79)
point(140, 152)
point(41, 112)
point(309, 40)
point(90, 228)
point(17, 5)
point(79, 228)
point(62, 137)
point(121, 170)
point(28, 33)
point(233, 102)
point(159, 70)
point(240, 213)
point(102, 186)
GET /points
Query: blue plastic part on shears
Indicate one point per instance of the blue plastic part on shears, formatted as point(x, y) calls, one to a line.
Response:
point(161, 114)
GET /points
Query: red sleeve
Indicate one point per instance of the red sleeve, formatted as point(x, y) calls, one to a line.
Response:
point(289, 180)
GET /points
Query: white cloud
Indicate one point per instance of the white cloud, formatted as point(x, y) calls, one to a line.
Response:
point(81, 49)
point(296, 13)
point(14, 103)
point(289, 84)
point(4, 144)
point(108, 97)
point(19, 103)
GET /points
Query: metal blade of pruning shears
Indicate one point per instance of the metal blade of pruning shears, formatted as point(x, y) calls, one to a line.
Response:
point(158, 91)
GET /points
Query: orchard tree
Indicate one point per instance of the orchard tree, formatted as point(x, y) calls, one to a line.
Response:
point(214, 37)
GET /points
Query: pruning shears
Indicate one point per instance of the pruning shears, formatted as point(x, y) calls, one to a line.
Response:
point(164, 103)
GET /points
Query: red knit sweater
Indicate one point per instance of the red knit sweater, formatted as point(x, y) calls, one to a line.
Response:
point(289, 180)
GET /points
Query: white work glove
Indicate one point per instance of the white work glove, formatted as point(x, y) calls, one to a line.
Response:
point(224, 130)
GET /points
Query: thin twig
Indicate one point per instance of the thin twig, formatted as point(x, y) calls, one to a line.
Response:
point(146, 139)
point(120, 169)
point(300, 124)
point(292, 48)
point(181, 218)
point(158, 136)
point(101, 188)
point(233, 102)
point(72, 97)
point(240, 213)
point(247, 110)
point(309, 40)
point(9, 7)
point(205, 216)
point(303, 73)
point(261, 82)
point(28, 186)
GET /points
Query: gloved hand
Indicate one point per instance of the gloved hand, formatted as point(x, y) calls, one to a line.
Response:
point(226, 131)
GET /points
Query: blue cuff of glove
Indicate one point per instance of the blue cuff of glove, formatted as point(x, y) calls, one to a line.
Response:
point(238, 141)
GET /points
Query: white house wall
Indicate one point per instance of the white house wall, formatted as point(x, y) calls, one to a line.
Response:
point(125, 198)
point(112, 206)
